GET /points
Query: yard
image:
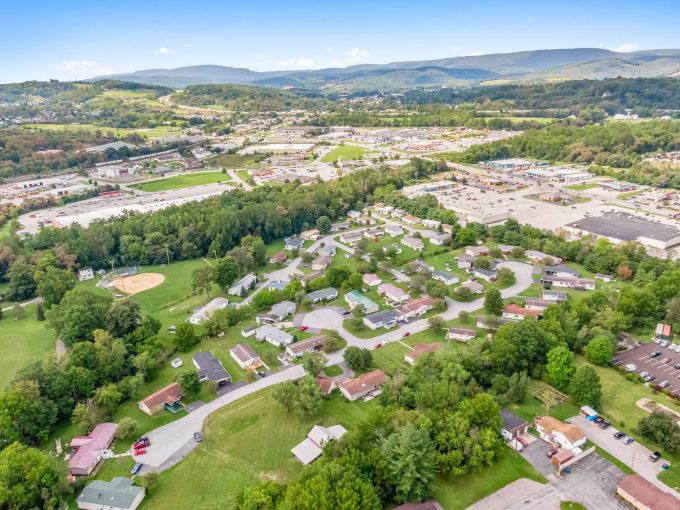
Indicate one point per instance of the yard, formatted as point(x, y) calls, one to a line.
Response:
point(344, 152)
point(231, 161)
point(183, 181)
point(582, 187)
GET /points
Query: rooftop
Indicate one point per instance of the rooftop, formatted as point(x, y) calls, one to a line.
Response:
point(118, 493)
point(210, 367)
point(311, 343)
point(648, 494)
point(368, 380)
point(243, 352)
point(626, 227)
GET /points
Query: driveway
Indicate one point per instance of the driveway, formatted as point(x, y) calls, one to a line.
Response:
point(633, 455)
point(661, 367)
point(535, 455)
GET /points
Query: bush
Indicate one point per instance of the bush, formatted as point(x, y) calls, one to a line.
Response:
point(127, 428)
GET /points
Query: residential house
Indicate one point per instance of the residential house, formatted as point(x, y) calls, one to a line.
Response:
point(317, 296)
point(245, 356)
point(381, 319)
point(415, 307)
point(353, 214)
point(371, 279)
point(204, 313)
point(321, 263)
point(326, 385)
point(243, 286)
point(642, 494)
point(421, 349)
point(517, 313)
point(326, 251)
point(440, 239)
point(278, 258)
point(118, 494)
point(465, 262)
point(432, 224)
point(395, 247)
point(166, 398)
point(350, 238)
point(294, 243)
point(87, 450)
point(461, 334)
point(475, 287)
point(394, 230)
point(663, 332)
point(444, 277)
point(358, 387)
point(447, 229)
point(274, 336)
point(409, 219)
point(413, 242)
point(312, 447)
point(312, 344)
point(277, 285)
point(563, 435)
point(513, 425)
point(554, 296)
point(540, 257)
point(485, 274)
point(277, 313)
point(249, 331)
point(398, 213)
point(384, 209)
point(86, 274)
point(392, 293)
point(355, 298)
point(506, 249)
point(476, 251)
point(569, 283)
point(607, 278)
point(310, 235)
point(537, 304)
point(422, 267)
point(210, 369)
point(561, 271)
point(373, 233)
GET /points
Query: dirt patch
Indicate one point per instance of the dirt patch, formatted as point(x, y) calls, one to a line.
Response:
point(650, 406)
point(138, 282)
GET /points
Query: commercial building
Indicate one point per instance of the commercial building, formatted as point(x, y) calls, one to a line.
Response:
point(644, 495)
point(563, 435)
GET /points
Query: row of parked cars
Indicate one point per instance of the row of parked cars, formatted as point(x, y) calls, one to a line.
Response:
point(625, 439)
point(667, 344)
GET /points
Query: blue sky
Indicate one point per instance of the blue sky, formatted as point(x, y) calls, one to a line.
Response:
point(44, 39)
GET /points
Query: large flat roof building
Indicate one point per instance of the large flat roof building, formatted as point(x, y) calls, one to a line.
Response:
point(619, 226)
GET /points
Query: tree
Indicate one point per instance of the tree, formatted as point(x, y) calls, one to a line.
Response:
point(411, 462)
point(323, 223)
point(505, 277)
point(188, 381)
point(599, 350)
point(54, 283)
point(335, 276)
point(127, 428)
point(313, 363)
point(18, 312)
point(123, 317)
point(560, 367)
point(226, 272)
point(150, 481)
point(25, 416)
point(302, 397)
point(39, 313)
point(265, 496)
point(463, 292)
point(357, 358)
point(493, 301)
point(30, 478)
point(585, 387)
point(517, 387)
point(185, 337)
point(333, 342)
point(307, 257)
point(354, 282)
point(202, 279)
point(436, 323)
point(437, 289)
point(21, 282)
point(662, 429)
point(78, 314)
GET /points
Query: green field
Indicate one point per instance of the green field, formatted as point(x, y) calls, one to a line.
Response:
point(183, 181)
point(231, 161)
point(22, 342)
point(582, 187)
point(118, 132)
point(345, 152)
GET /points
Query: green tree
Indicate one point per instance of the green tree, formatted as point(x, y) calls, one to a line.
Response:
point(54, 283)
point(313, 363)
point(493, 301)
point(585, 387)
point(436, 323)
point(188, 381)
point(185, 337)
point(78, 314)
point(354, 282)
point(25, 416)
point(335, 276)
point(600, 350)
point(150, 482)
point(21, 282)
point(662, 429)
point(358, 358)
point(505, 277)
point(302, 396)
point(202, 279)
point(517, 387)
point(39, 313)
point(123, 317)
point(560, 367)
point(323, 223)
point(226, 272)
point(265, 496)
point(127, 428)
point(30, 478)
point(411, 462)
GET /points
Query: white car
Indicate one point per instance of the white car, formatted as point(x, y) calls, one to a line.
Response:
point(677, 348)
point(630, 367)
point(176, 363)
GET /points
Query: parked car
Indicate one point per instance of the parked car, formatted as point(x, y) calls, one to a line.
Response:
point(406, 333)
point(303, 328)
point(655, 354)
point(262, 373)
point(666, 360)
point(657, 341)
point(630, 367)
point(198, 437)
point(140, 451)
point(654, 456)
point(522, 441)
point(628, 440)
point(649, 378)
point(604, 425)
point(136, 468)
point(142, 442)
point(619, 435)
point(664, 343)
point(664, 384)
point(550, 453)
point(598, 419)
point(644, 374)
point(676, 366)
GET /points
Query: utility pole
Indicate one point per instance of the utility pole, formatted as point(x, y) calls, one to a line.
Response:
point(167, 254)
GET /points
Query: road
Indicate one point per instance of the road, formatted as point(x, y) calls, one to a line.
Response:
point(34, 301)
point(172, 441)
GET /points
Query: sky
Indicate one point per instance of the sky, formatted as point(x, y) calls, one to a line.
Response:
point(67, 40)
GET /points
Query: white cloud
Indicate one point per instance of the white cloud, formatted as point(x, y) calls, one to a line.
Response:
point(474, 53)
point(453, 48)
point(82, 68)
point(164, 51)
point(626, 47)
point(187, 45)
point(299, 63)
point(330, 49)
point(356, 55)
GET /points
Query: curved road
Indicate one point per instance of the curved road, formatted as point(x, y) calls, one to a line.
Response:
point(171, 442)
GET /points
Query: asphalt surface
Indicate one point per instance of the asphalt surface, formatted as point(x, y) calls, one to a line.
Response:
point(661, 367)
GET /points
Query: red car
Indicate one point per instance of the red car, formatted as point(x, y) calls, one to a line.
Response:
point(303, 328)
point(140, 451)
point(378, 345)
point(142, 442)
point(406, 333)
point(522, 441)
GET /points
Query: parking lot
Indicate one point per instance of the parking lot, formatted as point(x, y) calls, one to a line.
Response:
point(661, 367)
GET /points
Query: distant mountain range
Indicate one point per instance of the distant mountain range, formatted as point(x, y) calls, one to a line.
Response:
point(522, 66)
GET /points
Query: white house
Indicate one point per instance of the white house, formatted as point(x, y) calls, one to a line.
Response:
point(476, 251)
point(381, 319)
point(118, 494)
point(85, 274)
point(371, 279)
point(539, 256)
point(413, 243)
point(444, 277)
point(350, 238)
point(485, 274)
point(440, 239)
point(312, 447)
point(460, 334)
point(432, 224)
point(465, 261)
point(561, 271)
point(328, 294)
point(393, 230)
point(415, 307)
point(203, 313)
point(277, 313)
point(392, 293)
point(244, 355)
point(273, 335)
point(294, 243)
point(517, 313)
point(410, 219)
point(564, 435)
point(243, 286)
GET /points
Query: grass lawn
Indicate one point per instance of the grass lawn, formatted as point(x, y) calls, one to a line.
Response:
point(389, 357)
point(629, 194)
point(582, 187)
point(246, 442)
point(231, 161)
point(571, 505)
point(466, 490)
point(345, 152)
point(22, 342)
point(117, 132)
point(183, 181)
point(332, 371)
point(531, 407)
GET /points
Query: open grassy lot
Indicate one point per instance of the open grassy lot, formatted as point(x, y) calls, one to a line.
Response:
point(344, 152)
point(245, 442)
point(231, 161)
point(183, 181)
point(118, 132)
point(22, 342)
point(464, 491)
point(532, 407)
point(582, 187)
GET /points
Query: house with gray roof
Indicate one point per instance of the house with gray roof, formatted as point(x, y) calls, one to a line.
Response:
point(203, 313)
point(118, 494)
point(210, 369)
point(328, 294)
point(273, 335)
point(294, 243)
point(326, 251)
point(382, 319)
point(444, 277)
point(278, 312)
point(280, 285)
point(243, 286)
point(440, 239)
